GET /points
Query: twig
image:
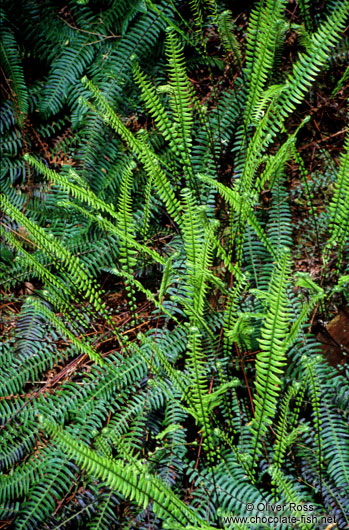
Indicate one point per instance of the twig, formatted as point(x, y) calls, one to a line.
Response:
point(323, 139)
point(104, 37)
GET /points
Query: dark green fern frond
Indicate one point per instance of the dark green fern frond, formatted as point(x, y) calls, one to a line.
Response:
point(315, 397)
point(335, 446)
point(11, 63)
point(67, 69)
point(228, 38)
point(304, 6)
point(339, 220)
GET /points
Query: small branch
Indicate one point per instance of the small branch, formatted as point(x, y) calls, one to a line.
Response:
point(103, 37)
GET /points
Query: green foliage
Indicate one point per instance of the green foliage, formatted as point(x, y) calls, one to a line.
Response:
point(227, 36)
point(158, 369)
point(271, 360)
point(339, 217)
point(11, 63)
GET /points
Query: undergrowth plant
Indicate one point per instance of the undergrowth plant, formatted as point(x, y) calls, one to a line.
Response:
point(158, 368)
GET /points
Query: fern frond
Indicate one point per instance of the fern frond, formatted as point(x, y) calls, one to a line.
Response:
point(304, 7)
point(339, 215)
point(148, 158)
point(156, 108)
point(126, 225)
point(53, 248)
point(284, 440)
point(241, 205)
point(335, 446)
point(271, 360)
point(137, 485)
point(315, 396)
point(71, 183)
point(228, 38)
point(261, 47)
point(11, 63)
point(309, 64)
point(82, 347)
point(288, 490)
point(67, 68)
point(181, 94)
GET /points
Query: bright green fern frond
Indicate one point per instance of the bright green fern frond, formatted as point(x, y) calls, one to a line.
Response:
point(309, 64)
point(261, 47)
point(198, 392)
point(138, 486)
point(288, 491)
point(230, 316)
point(156, 108)
point(108, 226)
point(271, 360)
point(141, 148)
point(78, 274)
point(241, 205)
point(181, 94)
point(125, 224)
point(196, 9)
point(283, 438)
point(72, 184)
point(316, 294)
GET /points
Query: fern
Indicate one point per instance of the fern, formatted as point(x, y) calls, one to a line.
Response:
point(229, 40)
point(11, 62)
point(271, 360)
point(159, 361)
point(132, 481)
point(339, 223)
